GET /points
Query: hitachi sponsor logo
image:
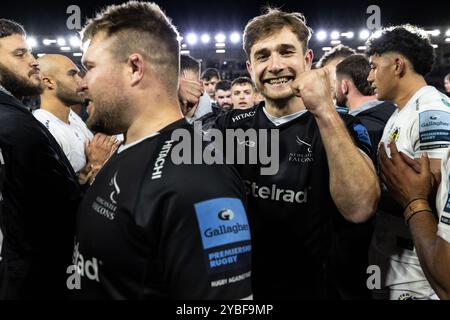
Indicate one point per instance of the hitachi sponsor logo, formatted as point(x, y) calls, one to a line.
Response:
point(159, 163)
point(243, 116)
point(85, 268)
point(221, 230)
point(275, 193)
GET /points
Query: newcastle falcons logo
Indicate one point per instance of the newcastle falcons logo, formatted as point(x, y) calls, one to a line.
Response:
point(301, 142)
point(113, 183)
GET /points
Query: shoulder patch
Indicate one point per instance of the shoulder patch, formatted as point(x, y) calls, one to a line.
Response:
point(362, 134)
point(225, 234)
point(434, 126)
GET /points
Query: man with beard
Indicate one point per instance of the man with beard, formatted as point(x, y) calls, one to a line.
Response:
point(41, 192)
point(323, 175)
point(61, 79)
point(144, 229)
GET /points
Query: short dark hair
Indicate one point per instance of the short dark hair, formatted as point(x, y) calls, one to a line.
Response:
point(410, 41)
point(243, 80)
point(339, 51)
point(140, 27)
point(9, 27)
point(357, 68)
point(271, 22)
point(210, 73)
point(188, 62)
point(224, 85)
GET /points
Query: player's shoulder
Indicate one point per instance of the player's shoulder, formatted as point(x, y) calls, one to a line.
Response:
point(430, 98)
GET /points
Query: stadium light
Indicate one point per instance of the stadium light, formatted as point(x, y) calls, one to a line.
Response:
point(61, 41)
point(65, 48)
point(335, 35)
point(220, 51)
point(447, 33)
point(40, 55)
point(185, 52)
point(326, 48)
point(205, 38)
point(321, 35)
point(335, 42)
point(192, 38)
point(48, 42)
point(362, 48)
point(447, 40)
point(364, 34)
point(235, 37)
point(348, 35)
point(77, 54)
point(32, 42)
point(75, 41)
point(220, 37)
point(220, 45)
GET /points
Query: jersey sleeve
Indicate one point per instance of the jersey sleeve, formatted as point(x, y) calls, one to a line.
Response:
point(431, 129)
point(207, 236)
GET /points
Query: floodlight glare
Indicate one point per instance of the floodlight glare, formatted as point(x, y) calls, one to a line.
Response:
point(321, 35)
point(220, 37)
point(205, 38)
point(364, 34)
point(191, 38)
point(235, 37)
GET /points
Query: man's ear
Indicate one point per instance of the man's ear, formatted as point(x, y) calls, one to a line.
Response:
point(249, 69)
point(48, 83)
point(345, 86)
point(309, 56)
point(136, 68)
point(400, 66)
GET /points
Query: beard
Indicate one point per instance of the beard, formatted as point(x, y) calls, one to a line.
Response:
point(109, 117)
point(67, 96)
point(340, 100)
point(19, 86)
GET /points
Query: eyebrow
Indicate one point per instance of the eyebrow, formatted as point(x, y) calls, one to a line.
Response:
point(21, 50)
point(281, 47)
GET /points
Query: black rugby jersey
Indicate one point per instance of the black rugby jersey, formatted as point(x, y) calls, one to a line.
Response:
point(291, 213)
point(150, 229)
point(40, 198)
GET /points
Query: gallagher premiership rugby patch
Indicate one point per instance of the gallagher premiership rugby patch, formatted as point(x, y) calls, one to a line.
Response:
point(434, 126)
point(225, 234)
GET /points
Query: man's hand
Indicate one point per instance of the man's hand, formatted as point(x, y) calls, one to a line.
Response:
point(407, 179)
point(315, 89)
point(100, 148)
point(98, 151)
point(189, 94)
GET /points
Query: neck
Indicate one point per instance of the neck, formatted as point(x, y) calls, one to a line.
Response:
point(356, 102)
point(152, 115)
point(56, 107)
point(407, 89)
point(281, 108)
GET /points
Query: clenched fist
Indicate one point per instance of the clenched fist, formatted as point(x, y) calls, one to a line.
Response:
point(189, 94)
point(314, 87)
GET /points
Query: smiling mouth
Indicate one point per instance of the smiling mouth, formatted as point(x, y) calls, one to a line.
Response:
point(279, 80)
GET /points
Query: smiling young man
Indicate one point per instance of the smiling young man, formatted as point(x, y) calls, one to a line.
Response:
point(321, 170)
point(400, 59)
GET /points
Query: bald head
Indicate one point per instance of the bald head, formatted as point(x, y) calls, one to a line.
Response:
point(61, 78)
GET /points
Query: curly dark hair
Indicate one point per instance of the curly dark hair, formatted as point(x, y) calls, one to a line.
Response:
point(410, 41)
